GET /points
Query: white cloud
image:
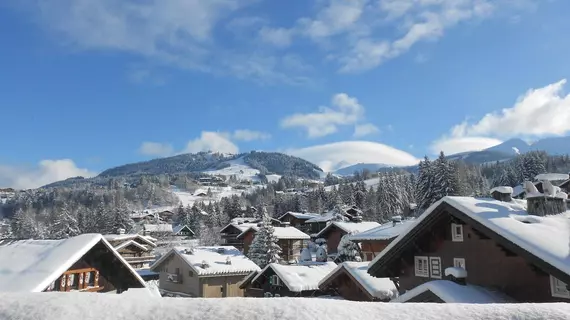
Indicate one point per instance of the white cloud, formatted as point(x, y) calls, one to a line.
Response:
point(339, 154)
point(250, 135)
point(279, 37)
point(345, 110)
point(539, 112)
point(211, 141)
point(361, 130)
point(47, 171)
point(149, 148)
point(462, 144)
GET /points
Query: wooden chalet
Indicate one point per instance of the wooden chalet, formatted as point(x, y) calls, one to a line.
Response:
point(182, 231)
point(230, 232)
point(278, 280)
point(298, 220)
point(518, 248)
point(207, 272)
point(85, 263)
point(351, 281)
point(318, 223)
point(373, 241)
point(335, 230)
point(290, 239)
point(134, 248)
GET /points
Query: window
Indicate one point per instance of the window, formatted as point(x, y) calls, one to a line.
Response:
point(459, 262)
point(190, 273)
point(274, 280)
point(559, 288)
point(456, 232)
point(421, 267)
point(435, 267)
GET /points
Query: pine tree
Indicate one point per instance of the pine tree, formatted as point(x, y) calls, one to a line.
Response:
point(122, 218)
point(444, 178)
point(424, 189)
point(264, 249)
point(63, 224)
point(348, 250)
point(24, 225)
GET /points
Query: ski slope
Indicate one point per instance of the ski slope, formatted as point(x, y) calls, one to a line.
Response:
point(237, 168)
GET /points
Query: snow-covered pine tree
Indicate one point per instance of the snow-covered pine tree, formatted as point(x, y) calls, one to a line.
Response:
point(424, 189)
point(348, 250)
point(445, 181)
point(264, 249)
point(122, 218)
point(24, 225)
point(62, 224)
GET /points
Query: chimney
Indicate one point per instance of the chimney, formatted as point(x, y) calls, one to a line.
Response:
point(285, 224)
point(503, 193)
point(221, 251)
point(121, 231)
point(457, 275)
point(228, 260)
point(551, 201)
point(204, 264)
point(396, 220)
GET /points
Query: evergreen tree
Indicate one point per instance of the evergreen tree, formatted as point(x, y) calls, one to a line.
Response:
point(63, 224)
point(264, 248)
point(24, 225)
point(348, 250)
point(444, 176)
point(425, 184)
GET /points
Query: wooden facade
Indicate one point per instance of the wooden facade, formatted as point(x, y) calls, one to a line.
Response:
point(448, 238)
point(266, 286)
point(296, 222)
point(291, 248)
point(371, 248)
point(136, 256)
point(176, 276)
point(97, 271)
point(229, 236)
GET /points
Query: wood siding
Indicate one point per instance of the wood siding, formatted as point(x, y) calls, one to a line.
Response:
point(487, 263)
point(222, 286)
point(333, 237)
point(371, 248)
point(347, 287)
point(230, 237)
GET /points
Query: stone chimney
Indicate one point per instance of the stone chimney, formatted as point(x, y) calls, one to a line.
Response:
point(204, 264)
point(121, 231)
point(502, 193)
point(457, 275)
point(228, 260)
point(551, 201)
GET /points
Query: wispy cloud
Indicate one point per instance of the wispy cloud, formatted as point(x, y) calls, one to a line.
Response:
point(344, 110)
point(211, 141)
point(362, 130)
point(537, 113)
point(46, 171)
point(250, 135)
point(160, 149)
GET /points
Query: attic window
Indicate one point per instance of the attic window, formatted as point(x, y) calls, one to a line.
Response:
point(456, 232)
point(421, 266)
point(559, 288)
point(274, 280)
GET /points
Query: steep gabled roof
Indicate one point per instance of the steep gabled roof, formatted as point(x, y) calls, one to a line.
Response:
point(379, 288)
point(32, 265)
point(544, 241)
point(451, 292)
point(215, 258)
point(130, 243)
point(281, 233)
point(146, 240)
point(298, 215)
point(350, 227)
point(300, 277)
point(385, 231)
point(179, 228)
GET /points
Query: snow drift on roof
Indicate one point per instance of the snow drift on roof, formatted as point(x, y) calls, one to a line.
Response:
point(163, 227)
point(130, 242)
point(350, 227)
point(385, 231)
point(381, 288)
point(552, 176)
point(451, 292)
point(131, 236)
point(215, 258)
point(31, 265)
point(281, 233)
point(546, 237)
point(72, 306)
point(299, 215)
point(502, 189)
point(303, 276)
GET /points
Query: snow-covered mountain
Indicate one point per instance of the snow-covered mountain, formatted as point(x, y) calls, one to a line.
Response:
point(513, 147)
point(349, 170)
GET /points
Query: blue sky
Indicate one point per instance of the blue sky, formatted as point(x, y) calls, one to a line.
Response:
point(90, 84)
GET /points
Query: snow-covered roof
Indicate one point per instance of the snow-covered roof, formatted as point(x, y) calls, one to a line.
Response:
point(241, 226)
point(32, 265)
point(130, 236)
point(544, 237)
point(381, 288)
point(129, 243)
point(385, 231)
point(72, 306)
point(552, 176)
point(325, 217)
point(502, 189)
point(162, 227)
point(299, 215)
point(215, 258)
point(301, 277)
point(350, 227)
point(451, 292)
point(281, 233)
point(179, 228)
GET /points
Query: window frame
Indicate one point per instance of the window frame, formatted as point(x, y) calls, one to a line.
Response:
point(456, 236)
point(461, 262)
point(431, 274)
point(421, 272)
point(555, 289)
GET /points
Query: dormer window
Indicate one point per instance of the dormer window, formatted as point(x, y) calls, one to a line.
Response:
point(456, 232)
point(559, 288)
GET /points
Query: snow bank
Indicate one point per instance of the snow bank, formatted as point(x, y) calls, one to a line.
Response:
point(451, 292)
point(91, 306)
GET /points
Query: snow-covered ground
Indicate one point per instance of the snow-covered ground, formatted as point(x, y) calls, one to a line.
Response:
point(188, 198)
point(237, 168)
point(93, 306)
point(273, 177)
